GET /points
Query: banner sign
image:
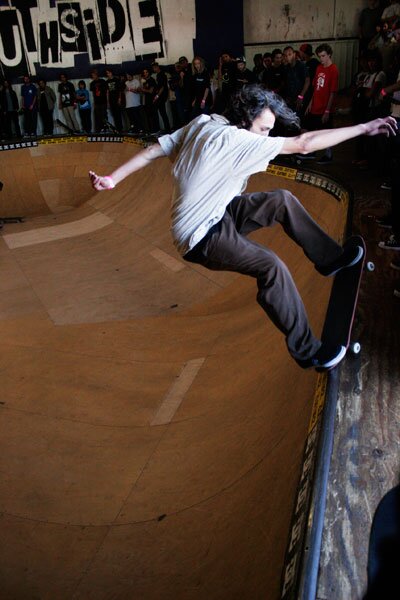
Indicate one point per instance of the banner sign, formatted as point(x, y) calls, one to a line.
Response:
point(37, 34)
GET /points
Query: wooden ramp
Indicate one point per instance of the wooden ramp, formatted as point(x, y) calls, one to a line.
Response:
point(152, 423)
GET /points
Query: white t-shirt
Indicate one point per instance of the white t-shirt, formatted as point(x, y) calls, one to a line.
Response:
point(212, 162)
point(132, 99)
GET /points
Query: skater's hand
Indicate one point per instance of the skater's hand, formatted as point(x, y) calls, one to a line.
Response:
point(386, 126)
point(101, 183)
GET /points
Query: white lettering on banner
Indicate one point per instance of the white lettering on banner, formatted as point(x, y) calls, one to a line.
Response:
point(140, 25)
point(68, 25)
point(51, 34)
point(12, 61)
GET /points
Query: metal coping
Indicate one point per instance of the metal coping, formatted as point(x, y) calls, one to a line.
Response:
point(71, 139)
point(300, 569)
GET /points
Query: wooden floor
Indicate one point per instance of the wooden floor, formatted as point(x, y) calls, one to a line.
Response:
point(152, 422)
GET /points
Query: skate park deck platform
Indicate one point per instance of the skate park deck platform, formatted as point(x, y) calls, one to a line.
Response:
point(153, 423)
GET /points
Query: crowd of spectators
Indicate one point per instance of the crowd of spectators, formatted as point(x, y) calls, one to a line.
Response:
point(376, 92)
point(157, 99)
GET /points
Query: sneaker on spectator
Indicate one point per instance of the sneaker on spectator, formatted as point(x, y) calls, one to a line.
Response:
point(395, 264)
point(327, 357)
point(392, 243)
point(386, 185)
point(385, 222)
point(350, 256)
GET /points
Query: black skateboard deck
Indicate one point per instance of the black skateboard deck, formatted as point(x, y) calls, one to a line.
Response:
point(343, 301)
point(111, 127)
point(64, 126)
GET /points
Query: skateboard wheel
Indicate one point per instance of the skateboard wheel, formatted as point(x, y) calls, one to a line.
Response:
point(355, 348)
point(370, 266)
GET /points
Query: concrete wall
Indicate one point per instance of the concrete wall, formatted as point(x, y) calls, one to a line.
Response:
point(276, 21)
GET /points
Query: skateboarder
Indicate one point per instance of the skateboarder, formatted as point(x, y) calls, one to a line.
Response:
point(211, 216)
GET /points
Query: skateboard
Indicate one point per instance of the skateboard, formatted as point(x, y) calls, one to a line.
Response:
point(64, 126)
point(343, 302)
point(110, 127)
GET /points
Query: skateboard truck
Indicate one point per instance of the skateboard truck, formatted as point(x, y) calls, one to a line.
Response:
point(5, 220)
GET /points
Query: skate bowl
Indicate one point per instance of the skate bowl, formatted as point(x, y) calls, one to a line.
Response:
point(153, 424)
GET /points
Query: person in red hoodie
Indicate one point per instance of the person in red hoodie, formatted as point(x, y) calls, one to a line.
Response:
point(322, 104)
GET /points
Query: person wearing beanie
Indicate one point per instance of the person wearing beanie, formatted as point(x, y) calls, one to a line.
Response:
point(243, 74)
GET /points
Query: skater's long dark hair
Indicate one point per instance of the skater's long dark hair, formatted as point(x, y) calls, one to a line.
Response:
point(248, 103)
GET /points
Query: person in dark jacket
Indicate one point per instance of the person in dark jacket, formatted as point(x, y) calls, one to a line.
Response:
point(67, 102)
point(185, 88)
point(115, 91)
point(149, 90)
point(226, 80)
point(201, 90)
point(274, 76)
point(243, 74)
point(161, 97)
point(47, 100)
point(29, 106)
point(98, 87)
point(9, 106)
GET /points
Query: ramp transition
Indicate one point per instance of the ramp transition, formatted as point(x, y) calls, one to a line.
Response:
point(152, 423)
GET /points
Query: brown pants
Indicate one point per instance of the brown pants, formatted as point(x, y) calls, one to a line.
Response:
point(226, 248)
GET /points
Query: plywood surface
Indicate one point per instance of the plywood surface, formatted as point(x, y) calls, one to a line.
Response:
point(98, 331)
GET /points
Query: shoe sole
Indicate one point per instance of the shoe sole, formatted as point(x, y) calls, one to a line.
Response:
point(384, 225)
point(384, 247)
point(395, 266)
point(335, 361)
point(353, 262)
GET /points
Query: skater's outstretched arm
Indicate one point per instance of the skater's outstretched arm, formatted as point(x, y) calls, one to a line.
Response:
point(325, 138)
point(140, 160)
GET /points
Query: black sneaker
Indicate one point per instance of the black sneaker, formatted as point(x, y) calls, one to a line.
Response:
point(325, 358)
point(386, 185)
point(350, 257)
point(395, 264)
point(385, 222)
point(390, 244)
